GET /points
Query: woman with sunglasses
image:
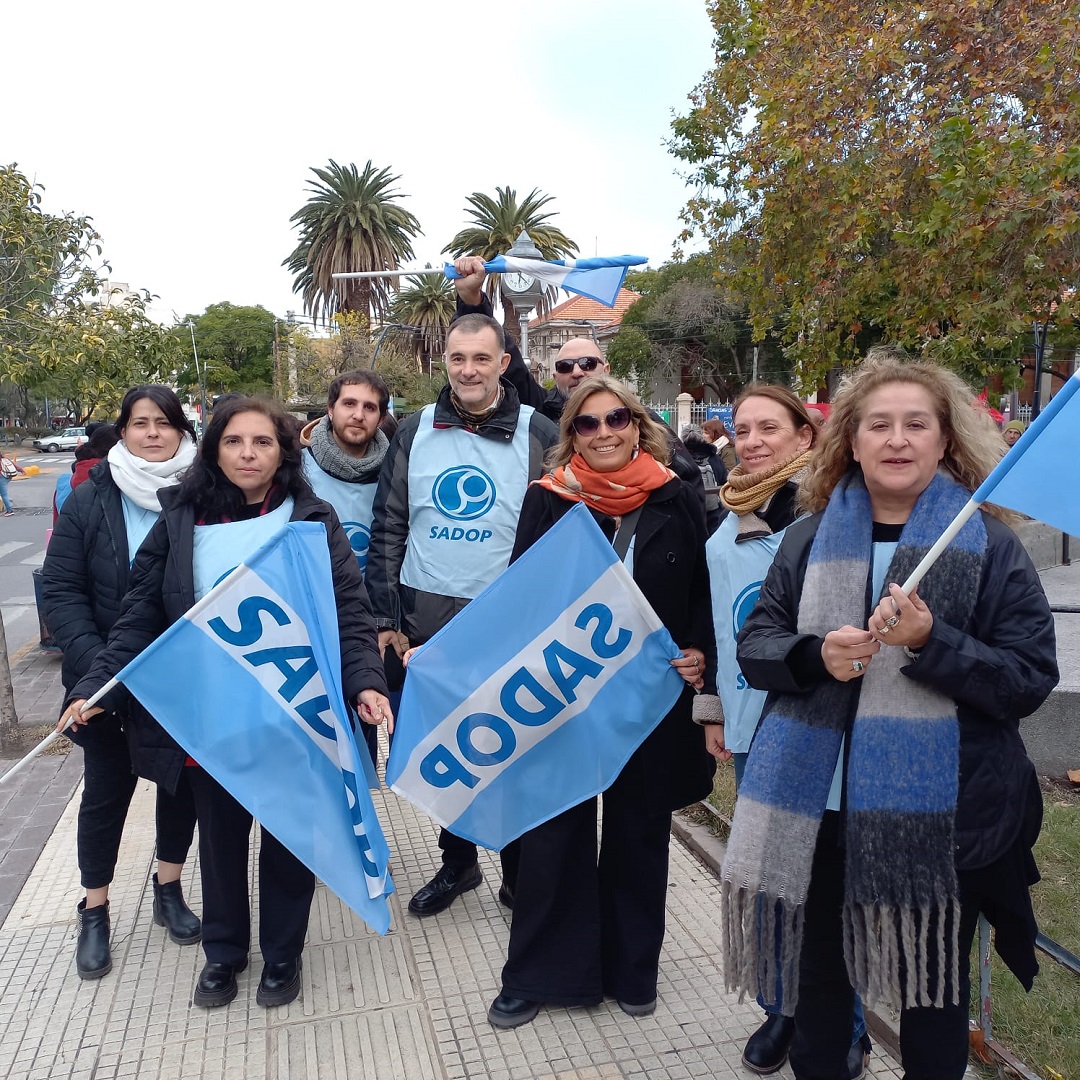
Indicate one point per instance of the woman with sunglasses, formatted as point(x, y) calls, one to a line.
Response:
point(585, 928)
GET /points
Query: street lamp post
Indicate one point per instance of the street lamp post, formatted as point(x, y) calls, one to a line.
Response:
point(201, 372)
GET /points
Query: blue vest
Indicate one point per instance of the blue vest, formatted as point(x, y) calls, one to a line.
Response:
point(354, 504)
point(220, 549)
point(138, 521)
point(736, 572)
point(465, 496)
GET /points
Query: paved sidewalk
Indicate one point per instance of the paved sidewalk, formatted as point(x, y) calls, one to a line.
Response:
point(410, 1004)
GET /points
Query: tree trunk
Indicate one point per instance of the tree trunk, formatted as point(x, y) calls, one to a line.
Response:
point(9, 718)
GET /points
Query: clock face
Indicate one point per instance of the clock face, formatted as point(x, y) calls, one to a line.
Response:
point(517, 282)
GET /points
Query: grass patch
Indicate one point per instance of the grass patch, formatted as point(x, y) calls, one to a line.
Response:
point(1043, 1028)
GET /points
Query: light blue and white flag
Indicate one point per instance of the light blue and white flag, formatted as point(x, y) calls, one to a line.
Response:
point(1034, 475)
point(598, 278)
point(1038, 476)
point(262, 710)
point(534, 696)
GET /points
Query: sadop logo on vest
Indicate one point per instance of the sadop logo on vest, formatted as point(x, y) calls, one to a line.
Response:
point(463, 493)
point(744, 604)
point(359, 540)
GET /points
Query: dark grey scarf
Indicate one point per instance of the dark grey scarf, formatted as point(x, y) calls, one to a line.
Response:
point(333, 460)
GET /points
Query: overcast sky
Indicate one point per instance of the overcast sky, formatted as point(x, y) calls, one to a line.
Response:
point(187, 131)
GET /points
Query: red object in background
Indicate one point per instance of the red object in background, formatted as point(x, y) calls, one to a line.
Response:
point(822, 407)
point(994, 414)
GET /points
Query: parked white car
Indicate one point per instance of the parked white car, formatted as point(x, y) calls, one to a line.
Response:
point(67, 439)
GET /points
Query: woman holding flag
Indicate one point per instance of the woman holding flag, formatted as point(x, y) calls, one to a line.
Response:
point(888, 799)
point(83, 581)
point(584, 928)
point(246, 483)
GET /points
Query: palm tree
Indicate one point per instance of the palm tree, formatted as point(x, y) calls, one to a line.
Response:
point(496, 225)
point(427, 306)
point(350, 223)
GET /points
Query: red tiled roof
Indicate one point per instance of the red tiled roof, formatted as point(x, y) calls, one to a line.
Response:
point(579, 308)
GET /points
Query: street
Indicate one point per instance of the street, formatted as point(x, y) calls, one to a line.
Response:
point(22, 542)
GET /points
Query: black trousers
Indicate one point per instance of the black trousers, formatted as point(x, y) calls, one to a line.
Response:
point(108, 785)
point(459, 854)
point(933, 1042)
point(585, 928)
point(286, 885)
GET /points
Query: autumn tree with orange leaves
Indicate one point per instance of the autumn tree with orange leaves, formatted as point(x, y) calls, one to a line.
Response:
point(907, 171)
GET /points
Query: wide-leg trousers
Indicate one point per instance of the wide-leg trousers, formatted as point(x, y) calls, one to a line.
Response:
point(586, 927)
point(286, 885)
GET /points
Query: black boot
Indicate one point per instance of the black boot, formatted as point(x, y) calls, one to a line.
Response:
point(92, 957)
point(767, 1049)
point(171, 912)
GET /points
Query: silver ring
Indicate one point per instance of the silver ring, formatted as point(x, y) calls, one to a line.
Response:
point(857, 665)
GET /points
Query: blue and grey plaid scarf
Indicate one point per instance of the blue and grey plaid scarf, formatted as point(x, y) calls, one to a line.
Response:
point(900, 891)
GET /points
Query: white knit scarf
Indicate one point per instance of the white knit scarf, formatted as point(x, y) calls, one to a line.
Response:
point(141, 480)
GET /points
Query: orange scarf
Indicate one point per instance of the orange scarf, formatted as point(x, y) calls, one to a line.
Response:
point(615, 493)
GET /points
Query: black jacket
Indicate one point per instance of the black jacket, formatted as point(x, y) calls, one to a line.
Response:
point(998, 669)
point(670, 569)
point(85, 573)
point(162, 588)
point(421, 614)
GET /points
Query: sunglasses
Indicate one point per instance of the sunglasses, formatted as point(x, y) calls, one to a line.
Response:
point(586, 363)
point(586, 424)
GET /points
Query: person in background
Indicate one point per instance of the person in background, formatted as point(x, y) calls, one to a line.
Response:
point(98, 443)
point(84, 579)
point(584, 925)
point(888, 799)
point(9, 468)
point(711, 467)
point(717, 433)
point(244, 486)
point(1012, 431)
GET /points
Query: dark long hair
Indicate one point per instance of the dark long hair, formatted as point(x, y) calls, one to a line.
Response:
point(164, 398)
point(206, 487)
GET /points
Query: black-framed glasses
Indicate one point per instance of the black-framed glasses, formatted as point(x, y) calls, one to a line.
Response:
point(587, 424)
point(586, 363)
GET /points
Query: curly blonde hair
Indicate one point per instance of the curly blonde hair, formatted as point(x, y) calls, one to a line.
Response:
point(651, 435)
point(973, 445)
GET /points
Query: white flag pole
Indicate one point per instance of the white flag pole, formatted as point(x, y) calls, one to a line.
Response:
point(113, 683)
point(390, 273)
point(940, 545)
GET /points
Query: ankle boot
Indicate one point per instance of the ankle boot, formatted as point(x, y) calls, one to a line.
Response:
point(92, 957)
point(171, 912)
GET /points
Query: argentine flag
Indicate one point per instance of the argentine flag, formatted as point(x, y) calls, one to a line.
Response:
point(534, 696)
point(599, 279)
point(263, 712)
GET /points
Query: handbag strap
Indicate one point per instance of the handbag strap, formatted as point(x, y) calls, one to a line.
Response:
point(627, 528)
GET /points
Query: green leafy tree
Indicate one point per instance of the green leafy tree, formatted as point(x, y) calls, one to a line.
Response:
point(235, 342)
point(90, 354)
point(47, 263)
point(426, 305)
point(497, 223)
point(910, 171)
point(690, 328)
point(351, 223)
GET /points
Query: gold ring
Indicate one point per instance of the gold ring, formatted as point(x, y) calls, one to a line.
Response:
point(892, 620)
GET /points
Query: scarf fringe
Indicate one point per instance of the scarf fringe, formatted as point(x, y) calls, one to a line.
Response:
point(890, 957)
point(750, 923)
